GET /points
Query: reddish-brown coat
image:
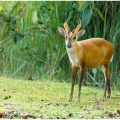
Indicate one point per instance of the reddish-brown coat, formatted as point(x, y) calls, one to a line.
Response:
point(92, 52)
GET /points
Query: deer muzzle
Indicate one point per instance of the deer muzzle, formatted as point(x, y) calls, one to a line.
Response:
point(69, 45)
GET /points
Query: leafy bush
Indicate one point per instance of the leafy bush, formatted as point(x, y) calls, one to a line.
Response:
point(41, 52)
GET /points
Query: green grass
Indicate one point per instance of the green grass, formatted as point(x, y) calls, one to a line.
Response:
point(48, 99)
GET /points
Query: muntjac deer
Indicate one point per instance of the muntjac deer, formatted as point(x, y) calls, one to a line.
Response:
point(90, 53)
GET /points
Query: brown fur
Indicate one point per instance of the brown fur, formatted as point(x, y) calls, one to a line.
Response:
point(90, 53)
point(93, 52)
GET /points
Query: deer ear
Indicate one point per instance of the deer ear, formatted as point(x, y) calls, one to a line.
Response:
point(61, 31)
point(81, 33)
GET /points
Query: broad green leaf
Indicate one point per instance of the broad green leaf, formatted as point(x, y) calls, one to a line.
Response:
point(86, 17)
point(13, 20)
point(83, 5)
point(22, 33)
point(18, 36)
point(12, 23)
point(12, 26)
point(15, 40)
point(43, 4)
point(11, 32)
point(1, 49)
point(70, 15)
point(100, 14)
point(40, 22)
point(4, 14)
point(52, 28)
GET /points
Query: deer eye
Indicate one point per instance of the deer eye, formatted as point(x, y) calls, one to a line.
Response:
point(74, 38)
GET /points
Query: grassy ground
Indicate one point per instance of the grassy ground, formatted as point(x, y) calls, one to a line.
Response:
point(48, 99)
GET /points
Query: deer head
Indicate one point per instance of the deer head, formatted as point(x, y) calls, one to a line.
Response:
point(71, 37)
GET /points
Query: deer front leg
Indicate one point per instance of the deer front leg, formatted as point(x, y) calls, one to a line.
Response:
point(80, 83)
point(74, 73)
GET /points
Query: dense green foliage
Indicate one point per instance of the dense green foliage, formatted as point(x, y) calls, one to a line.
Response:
point(36, 48)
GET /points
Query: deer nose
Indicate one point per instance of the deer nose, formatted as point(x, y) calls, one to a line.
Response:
point(69, 45)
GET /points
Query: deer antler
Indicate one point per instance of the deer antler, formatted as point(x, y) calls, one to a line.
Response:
point(67, 29)
point(78, 27)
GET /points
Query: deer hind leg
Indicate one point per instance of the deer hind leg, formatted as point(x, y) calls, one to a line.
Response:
point(108, 82)
point(106, 73)
point(74, 73)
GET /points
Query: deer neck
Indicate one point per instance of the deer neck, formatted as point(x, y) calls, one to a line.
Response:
point(72, 54)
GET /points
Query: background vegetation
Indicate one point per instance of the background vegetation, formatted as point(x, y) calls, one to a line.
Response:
point(33, 49)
